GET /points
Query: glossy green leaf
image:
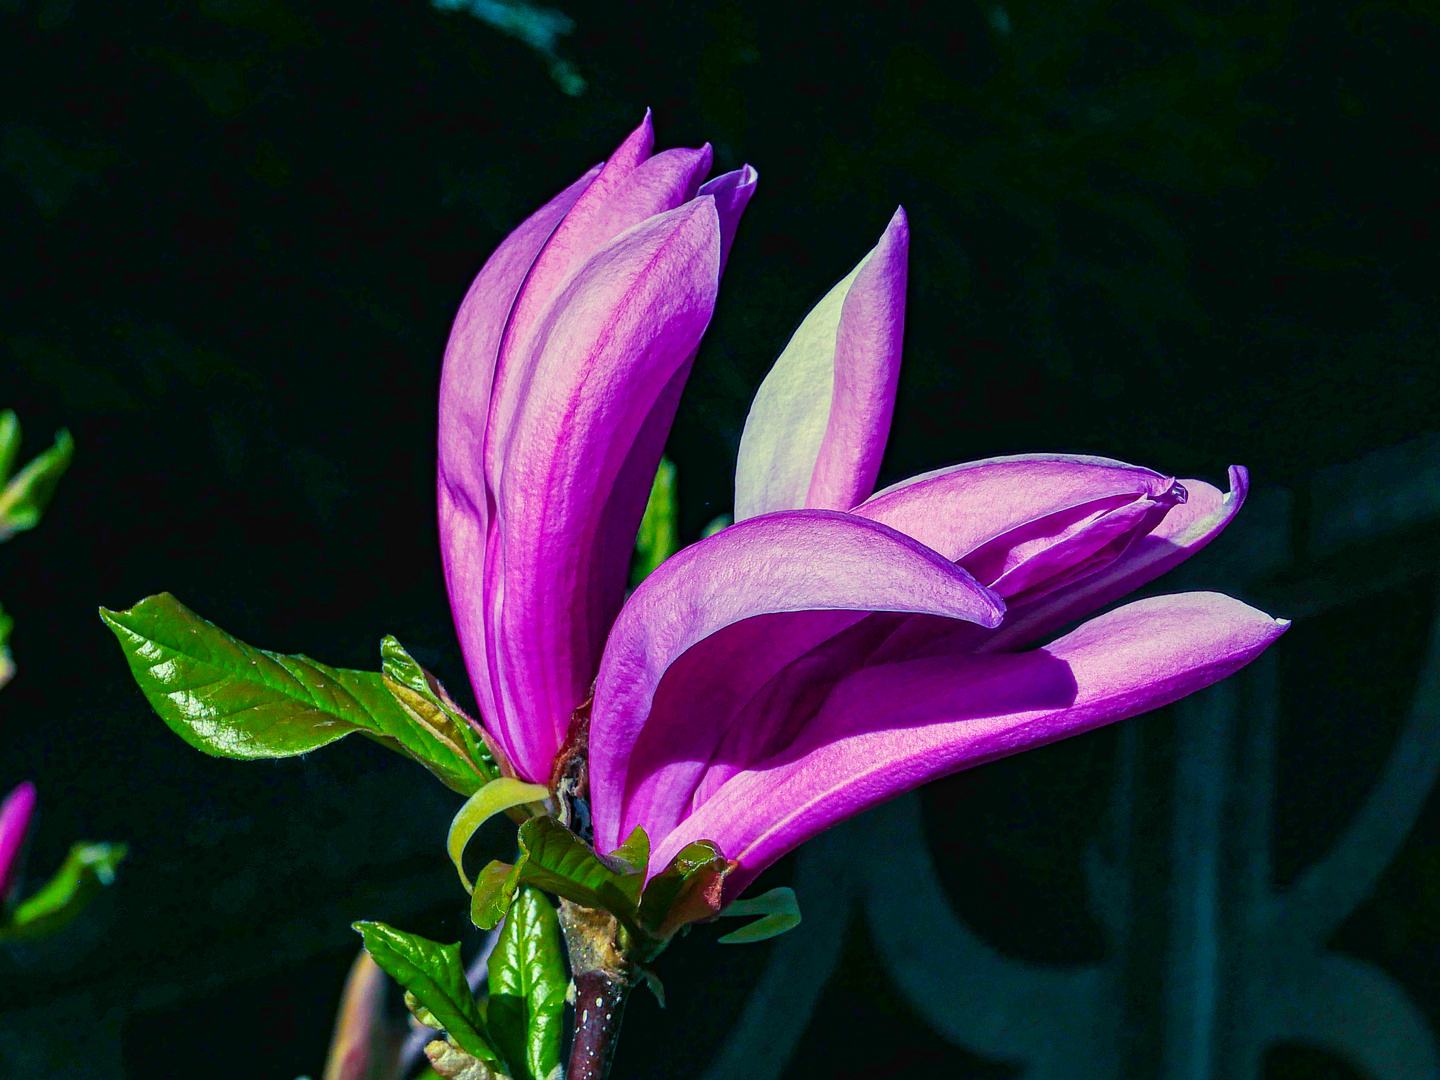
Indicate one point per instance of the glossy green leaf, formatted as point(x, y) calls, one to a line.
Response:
point(498, 795)
point(494, 889)
point(780, 911)
point(558, 861)
point(87, 869)
point(25, 497)
point(686, 891)
point(435, 975)
point(634, 852)
point(527, 988)
point(231, 700)
point(422, 696)
point(659, 535)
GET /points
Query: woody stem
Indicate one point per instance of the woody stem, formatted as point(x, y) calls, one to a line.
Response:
point(599, 1005)
point(603, 975)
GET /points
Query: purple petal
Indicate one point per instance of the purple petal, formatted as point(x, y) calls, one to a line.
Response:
point(731, 192)
point(465, 384)
point(607, 349)
point(776, 713)
point(1184, 531)
point(1028, 525)
point(16, 813)
point(630, 189)
point(888, 729)
point(799, 561)
point(817, 428)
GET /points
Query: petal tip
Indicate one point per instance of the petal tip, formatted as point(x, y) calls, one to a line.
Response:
point(897, 232)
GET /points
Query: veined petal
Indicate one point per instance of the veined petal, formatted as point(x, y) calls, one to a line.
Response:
point(779, 710)
point(785, 562)
point(1028, 525)
point(752, 677)
point(818, 426)
point(608, 348)
point(889, 728)
point(16, 813)
point(631, 188)
point(465, 384)
point(731, 192)
point(1184, 531)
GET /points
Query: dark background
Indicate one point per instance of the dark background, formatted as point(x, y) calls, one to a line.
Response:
point(234, 234)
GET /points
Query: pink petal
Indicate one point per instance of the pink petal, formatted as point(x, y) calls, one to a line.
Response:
point(1027, 525)
point(1184, 531)
point(607, 349)
point(465, 383)
point(775, 714)
point(732, 192)
point(798, 561)
point(16, 813)
point(948, 510)
point(818, 426)
point(631, 188)
point(888, 729)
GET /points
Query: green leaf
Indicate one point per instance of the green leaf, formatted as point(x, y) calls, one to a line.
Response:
point(494, 889)
point(558, 861)
point(9, 443)
point(634, 852)
point(231, 700)
point(435, 975)
point(717, 524)
point(527, 988)
point(686, 891)
point(27, 494)
point(7, 664)
point(87, 869)
point(498, 795)
point(422, 696)
point(781, 912)
point(659, 535)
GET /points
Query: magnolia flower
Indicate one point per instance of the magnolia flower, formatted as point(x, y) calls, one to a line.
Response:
point(560, 383)
point(834, 647)
point(16, 813)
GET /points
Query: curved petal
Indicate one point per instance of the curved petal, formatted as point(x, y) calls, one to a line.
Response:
point(818, 426)
point(890, 728)
point(784, 562)
point(732, 192)
point(1184, 531)
point(608, 348)
point(775, 714)
point(1030, 524)
point(631, 188)
point(465, 384)
point(16, 813)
